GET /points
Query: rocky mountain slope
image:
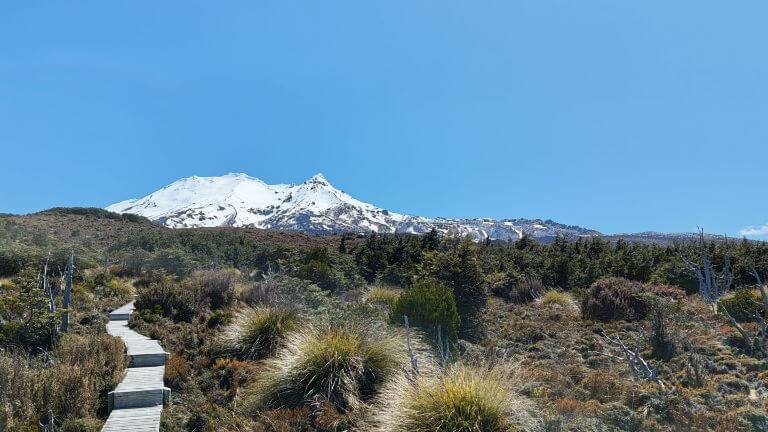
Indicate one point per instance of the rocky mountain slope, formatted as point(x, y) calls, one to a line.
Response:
point(315, 207)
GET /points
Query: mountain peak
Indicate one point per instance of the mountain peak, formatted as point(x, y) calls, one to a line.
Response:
point(318, 178)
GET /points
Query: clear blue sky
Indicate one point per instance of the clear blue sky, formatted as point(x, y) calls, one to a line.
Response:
point(614, 115)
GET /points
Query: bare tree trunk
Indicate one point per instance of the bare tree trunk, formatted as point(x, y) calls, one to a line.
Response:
point(67, 293)
point(747, 338)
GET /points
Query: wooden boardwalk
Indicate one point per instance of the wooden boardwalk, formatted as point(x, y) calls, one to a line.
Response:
point(137, 401)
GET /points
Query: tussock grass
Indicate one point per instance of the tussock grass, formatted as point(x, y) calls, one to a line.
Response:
point(559, 298)
point(340, 366)
point(383, 296)
point(257, 333)
point(463, 399)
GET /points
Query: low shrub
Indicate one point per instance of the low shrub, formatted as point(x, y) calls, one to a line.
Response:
point(613, 299)
point(218, 286)
point(662, 345)
point(518, 289)
point(742, 305)
point(233, 374)
point(219, 318)
point(601, 386)
point(177, 369)
point(428, 304)
point(256, 333)
point(16, 386)
point(286, 292)
point(343, 366)
point(118, 288)
point(462, 400)
point(175, 300)
point(667, 291)
point(101, 357)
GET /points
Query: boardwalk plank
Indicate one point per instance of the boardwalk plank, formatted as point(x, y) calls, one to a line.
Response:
point(138, 400)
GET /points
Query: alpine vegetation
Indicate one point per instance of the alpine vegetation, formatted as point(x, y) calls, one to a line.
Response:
point(257, 333)
point(328, 368)
point(275, 331)
point(460, 399)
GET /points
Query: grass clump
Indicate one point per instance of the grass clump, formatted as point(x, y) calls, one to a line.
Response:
point(333, 366)
point(558, 298)
point(463, 399)
point(257, 333)
point(428, 304)
point(383, 296)
point(613, 299)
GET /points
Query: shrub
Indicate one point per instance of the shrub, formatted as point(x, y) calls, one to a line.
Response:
point(117, 288)
point(613, 299)
point(26, 319)
point(66, 391)
point(460, 270)
point(462, 400)
point(742, 305)
point(343, 366)
point(667, 291)
point(233, 374)
point(663, 348)
point(601, 386)
point(101, 357)
point(219, 318)
point(428, 304)
point(176, 371)
point(174, 300)
point(256, 333)
point(217, 285)
point(517, 289)
point(16, 386)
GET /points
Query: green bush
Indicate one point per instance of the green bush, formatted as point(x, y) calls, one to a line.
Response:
point(613, 299)
point(428, 304)
point(258, 332)
point(742, 305)
point(175, 300)
point(459, 269)
point(26, 319)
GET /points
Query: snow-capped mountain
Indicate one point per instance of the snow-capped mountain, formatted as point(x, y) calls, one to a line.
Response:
point(314, 206)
